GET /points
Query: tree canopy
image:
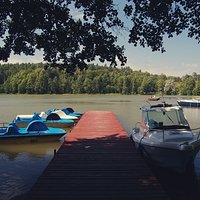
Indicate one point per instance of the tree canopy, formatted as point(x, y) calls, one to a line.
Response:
point(72, 41)
point(27, 78)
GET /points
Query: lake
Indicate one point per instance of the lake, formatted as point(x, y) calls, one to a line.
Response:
point(22, 164)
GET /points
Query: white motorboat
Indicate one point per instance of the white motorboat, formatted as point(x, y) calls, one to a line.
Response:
point(189, 102)
point(164, 136)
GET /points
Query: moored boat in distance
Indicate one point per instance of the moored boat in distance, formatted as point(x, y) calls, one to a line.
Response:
point(165, 137)
point(35, 131)
point(153, 98)
point(189, 102)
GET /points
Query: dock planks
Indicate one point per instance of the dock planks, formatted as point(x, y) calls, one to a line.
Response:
point(97, 161)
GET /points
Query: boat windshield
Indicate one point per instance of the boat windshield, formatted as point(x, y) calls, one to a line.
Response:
point(172, 118)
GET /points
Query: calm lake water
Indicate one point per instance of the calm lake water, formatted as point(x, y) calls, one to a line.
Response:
point(22, 164)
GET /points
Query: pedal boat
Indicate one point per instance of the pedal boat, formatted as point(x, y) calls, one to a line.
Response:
point(35, 131)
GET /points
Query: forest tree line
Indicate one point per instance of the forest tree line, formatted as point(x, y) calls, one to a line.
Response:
point(35, 79)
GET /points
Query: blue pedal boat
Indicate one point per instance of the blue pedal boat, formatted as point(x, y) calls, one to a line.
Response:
point(35, 131)
point(51, 114)
point(50, 121)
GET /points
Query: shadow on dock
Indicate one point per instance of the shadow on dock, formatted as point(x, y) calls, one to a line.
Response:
point(102, 168)
point(105, 168)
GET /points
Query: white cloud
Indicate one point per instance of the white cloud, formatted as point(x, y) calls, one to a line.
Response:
point(193, 65)
point(37, 58)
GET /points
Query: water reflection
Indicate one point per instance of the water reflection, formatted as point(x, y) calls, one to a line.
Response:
point(193, 116)
point(21, 165)
point(182, 186)
point(11, 151)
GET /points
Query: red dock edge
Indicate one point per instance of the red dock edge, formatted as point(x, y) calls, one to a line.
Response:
point(97, 161)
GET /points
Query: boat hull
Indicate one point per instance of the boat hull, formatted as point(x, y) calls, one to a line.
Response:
point(49, 124)
point(153, 98)
point(189, 103)
point(30, 139)
point(174, 159)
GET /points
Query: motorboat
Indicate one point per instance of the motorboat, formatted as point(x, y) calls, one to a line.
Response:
point(35, 131)
point(52, 120)
point(153, 98)
point(165, 137)
point(189, 102)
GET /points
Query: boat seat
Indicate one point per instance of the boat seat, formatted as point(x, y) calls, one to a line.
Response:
point(37, 126)
point(53, 116)
point(12, 130)
point(71, 110)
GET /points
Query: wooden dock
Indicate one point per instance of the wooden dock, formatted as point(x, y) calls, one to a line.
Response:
point(97, 161)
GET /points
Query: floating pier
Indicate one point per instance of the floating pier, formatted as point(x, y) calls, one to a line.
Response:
point(97, 161)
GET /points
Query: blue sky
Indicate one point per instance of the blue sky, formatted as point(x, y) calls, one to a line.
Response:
point(182, 55)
